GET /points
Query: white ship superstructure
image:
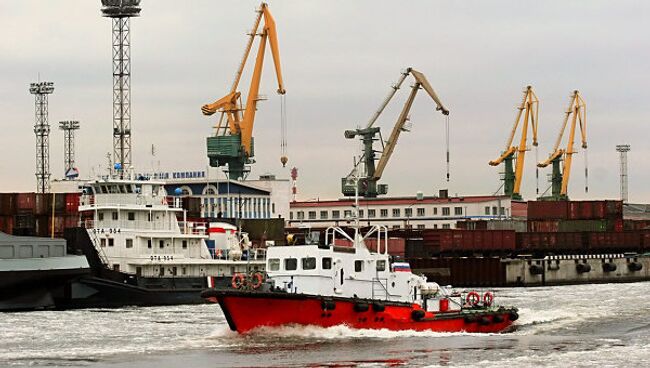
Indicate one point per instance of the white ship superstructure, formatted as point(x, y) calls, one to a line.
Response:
point(135, 229)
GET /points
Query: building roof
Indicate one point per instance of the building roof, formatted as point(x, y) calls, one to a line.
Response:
point(388, 201)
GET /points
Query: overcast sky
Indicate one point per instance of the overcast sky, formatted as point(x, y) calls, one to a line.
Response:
point(339, 59)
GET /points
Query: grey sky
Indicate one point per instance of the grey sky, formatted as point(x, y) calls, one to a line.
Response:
point(339, 59)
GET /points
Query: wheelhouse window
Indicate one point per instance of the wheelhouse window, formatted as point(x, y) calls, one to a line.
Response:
point(129, 243)
point(161, 244)
point(149, 243)
point(381, 265)
point(290, 264)
point(100, 216)
point(184, 244)
point(358, 265)
point(111, 242)
point(274, 264)
point(131, 216)
point(309, 263)
point(115, 216)
point(326, 263)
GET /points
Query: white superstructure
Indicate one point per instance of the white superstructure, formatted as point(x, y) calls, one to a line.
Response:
point(136, 230)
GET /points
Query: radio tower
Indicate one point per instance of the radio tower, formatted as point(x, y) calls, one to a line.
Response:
point(42, 130)
point(623, 149)
point(121, 12)
point(68, 128)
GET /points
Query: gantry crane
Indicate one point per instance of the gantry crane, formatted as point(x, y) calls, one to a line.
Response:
point(367, 183)
point(577, 111)
point(512, 180)
point(232, 142)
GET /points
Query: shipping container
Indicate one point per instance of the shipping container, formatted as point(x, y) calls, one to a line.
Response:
point(72, 201)
point(543, 226)
point(586, 225)
point(548, 210)
point(7, 204)
point(516, 225)
point(24, 221)
point(25, 202)
point(615, 241)
point(42, 204)
point(467, 241)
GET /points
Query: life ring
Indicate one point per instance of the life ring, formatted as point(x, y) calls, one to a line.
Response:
point(238, 280)
point(488, 298)
point(256, 280)
point(473, 298)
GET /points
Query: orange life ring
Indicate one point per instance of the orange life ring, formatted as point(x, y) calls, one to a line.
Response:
point(238, 280)
point(473, 298)
point(488, 298)
point(257, 280)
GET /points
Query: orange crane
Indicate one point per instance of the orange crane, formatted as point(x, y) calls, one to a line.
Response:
point(232, 142)
point(577, 111)
point(529, 108)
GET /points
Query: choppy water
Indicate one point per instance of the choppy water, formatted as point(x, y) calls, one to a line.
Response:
point(588, 325)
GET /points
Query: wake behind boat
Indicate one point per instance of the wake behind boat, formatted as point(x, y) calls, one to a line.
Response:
point(328, 285)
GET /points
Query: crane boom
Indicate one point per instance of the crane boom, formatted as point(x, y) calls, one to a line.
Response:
point(234, 146)
point(529, 108)
point(368, 184)
point(577, 113)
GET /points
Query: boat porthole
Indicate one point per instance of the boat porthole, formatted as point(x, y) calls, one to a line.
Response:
point(392, 284)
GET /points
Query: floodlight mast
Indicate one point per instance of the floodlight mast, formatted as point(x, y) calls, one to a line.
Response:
point(121, 12)
point(42, 130)
point(68, 128)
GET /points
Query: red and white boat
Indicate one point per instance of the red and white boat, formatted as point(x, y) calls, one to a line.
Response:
point(327, 285)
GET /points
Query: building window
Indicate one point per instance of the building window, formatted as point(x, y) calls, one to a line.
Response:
point(129, 243)
point(149, 216)
point(435, 226)
point(395, 226)
point(111, 242)
point(420, 227)
point(435, 210)
point(323, 215)
point(396, 212)
point(115, 216)
point(131, 216)
point(347, 214)
point(381, 265)
point(184, 244)
point(383, 213)
point(502, 211)
point(149, 243)
point(290, 264)
point(408, 212)
point(290, 215)
point(371, 213)
point(312, 215)
point(446, 226)
point(161, 244)
point(360, 213)
point(487, 210)
point(336, 214)
point(309, 263)
point(445, 211)
point(458, 211)
point(420, 212)
point(326, 263)
point(301, 215)
point(494, 210)
point(358, 265)
point(274, 264)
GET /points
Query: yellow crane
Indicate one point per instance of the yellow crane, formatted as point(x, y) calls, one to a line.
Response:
point(528, 108)
point(577, 112)
point(232, 142)
point(367, 185)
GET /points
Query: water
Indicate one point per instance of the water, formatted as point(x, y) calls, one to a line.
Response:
point(588, 325)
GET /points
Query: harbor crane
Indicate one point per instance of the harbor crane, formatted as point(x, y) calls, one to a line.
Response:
point(577, 112)
point(232, 142)
point(528, 108)
point(367, 183)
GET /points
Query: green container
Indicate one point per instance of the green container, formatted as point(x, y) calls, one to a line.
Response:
point(585, 225)
point(226, 146)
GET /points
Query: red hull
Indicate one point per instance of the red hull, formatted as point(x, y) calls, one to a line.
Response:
point(245, 311)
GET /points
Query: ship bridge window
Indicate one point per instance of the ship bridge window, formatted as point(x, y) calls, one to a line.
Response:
point(309, 263)
point(290, 264)
point(274, 264)
point(115, 216)
point(381, 265)
point(326, 263)
point(358, 265)
point(131, 216)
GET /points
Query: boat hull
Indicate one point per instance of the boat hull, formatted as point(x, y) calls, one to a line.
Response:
point(247, 310)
